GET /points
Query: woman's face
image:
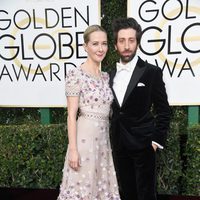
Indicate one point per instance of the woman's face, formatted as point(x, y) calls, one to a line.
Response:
point(97, 46)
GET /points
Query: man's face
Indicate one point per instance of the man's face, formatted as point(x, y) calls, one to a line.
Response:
point(126, 44)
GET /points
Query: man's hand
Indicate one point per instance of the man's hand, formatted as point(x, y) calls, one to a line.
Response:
point(154, 146)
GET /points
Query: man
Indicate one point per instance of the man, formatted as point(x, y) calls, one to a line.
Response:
point(141, 114)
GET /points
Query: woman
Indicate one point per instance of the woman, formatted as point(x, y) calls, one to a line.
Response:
point(88, 172)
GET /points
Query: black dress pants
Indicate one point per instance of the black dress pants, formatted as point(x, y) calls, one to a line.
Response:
point(136, 174)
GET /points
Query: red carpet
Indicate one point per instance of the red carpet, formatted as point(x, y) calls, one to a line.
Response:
point(51, 194)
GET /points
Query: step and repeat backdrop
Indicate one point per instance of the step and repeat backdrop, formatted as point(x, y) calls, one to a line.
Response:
point(39, 40)
point(171, 40)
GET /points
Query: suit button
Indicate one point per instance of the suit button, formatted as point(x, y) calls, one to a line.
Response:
point(121, 113)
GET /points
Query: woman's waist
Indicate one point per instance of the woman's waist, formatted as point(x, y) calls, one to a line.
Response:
point(94, 115)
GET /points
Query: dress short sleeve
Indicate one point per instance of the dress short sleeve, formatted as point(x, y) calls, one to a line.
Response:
point(72, 86)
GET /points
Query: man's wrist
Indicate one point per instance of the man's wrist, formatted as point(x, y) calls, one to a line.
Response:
point(158, 145)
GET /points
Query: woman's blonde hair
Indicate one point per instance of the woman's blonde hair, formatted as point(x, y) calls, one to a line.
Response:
point(91, 29)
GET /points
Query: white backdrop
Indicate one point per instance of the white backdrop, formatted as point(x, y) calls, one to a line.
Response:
point(171, 40)
point(39, 40)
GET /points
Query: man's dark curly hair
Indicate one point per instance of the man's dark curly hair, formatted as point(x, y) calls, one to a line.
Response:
point(125, 23)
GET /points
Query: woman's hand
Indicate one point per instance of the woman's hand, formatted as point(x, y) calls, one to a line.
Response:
point(74, 159)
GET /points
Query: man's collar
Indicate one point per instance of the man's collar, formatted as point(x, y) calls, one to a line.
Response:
point(131, 63)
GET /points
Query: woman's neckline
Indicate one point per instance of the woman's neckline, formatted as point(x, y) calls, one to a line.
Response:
point(91, 75)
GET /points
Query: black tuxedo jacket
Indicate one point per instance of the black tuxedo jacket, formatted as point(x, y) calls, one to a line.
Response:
point(144, 115)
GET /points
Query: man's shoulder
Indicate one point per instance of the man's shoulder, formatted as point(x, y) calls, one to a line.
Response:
point(112, 71)
point(149, 65)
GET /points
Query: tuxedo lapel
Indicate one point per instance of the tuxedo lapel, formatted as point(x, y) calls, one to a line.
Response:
point(137, 73)
point(112, 75)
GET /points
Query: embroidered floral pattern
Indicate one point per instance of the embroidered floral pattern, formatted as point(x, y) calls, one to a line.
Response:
point(96, 179)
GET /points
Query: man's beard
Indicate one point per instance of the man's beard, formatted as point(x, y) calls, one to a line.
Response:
point(126, 59)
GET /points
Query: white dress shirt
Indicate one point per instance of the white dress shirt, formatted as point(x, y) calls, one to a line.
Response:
point(122, 79)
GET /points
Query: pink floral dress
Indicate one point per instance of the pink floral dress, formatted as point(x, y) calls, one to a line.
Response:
point(96, 179)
